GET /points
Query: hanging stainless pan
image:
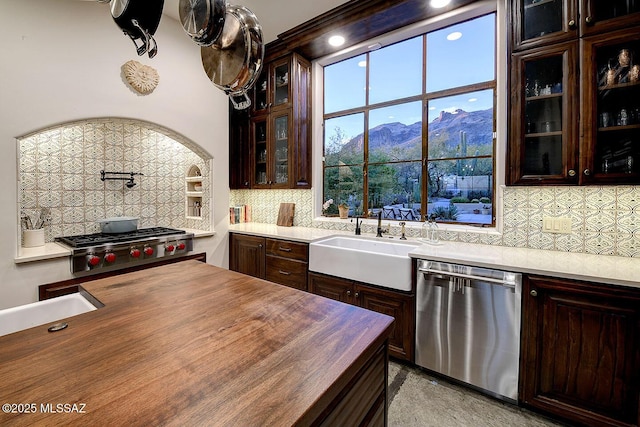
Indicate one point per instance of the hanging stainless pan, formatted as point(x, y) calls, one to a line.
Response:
point(202, 20)
point(234, 61)
point(139, 19)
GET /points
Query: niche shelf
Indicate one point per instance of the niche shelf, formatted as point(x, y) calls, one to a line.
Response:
point(193, 193)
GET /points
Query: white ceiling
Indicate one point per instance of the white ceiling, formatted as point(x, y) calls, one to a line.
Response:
point(275, 16)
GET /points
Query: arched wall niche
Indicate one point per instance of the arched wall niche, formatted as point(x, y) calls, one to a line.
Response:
point(59, 167)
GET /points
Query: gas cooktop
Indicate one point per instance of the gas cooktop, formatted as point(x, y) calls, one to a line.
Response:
point(95, 239)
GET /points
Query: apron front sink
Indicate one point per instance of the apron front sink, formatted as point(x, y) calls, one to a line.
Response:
point(375, 261)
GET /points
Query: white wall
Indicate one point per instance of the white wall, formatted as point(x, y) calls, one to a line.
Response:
point(61, 61)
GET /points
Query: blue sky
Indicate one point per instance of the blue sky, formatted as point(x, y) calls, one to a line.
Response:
point(396, 73)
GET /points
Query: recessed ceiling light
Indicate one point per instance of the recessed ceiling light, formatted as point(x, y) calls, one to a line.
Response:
point(473, 99)
point(362, 64)
point(336, 40)
point(454, 36)
point(440, 3)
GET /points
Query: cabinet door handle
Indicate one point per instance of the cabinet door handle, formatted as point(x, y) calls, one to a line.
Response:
point(587, 172)
point(534, 293)
point(280, 248)
point(572, 24)
point(284, 273)
point(348, 293)
point(588, 19)
point(357, 294)
point(572, 172)
point(260, 245)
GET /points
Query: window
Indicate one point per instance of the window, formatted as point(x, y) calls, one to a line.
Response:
point(409, 129)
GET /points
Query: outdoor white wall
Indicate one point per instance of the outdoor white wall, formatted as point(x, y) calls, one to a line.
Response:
point(60, 62)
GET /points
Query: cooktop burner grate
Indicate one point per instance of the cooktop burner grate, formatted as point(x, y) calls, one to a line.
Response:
point(86, 240)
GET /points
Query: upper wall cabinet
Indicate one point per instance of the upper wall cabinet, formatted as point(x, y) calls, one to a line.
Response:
point(540, 22)
point(544, 115)
point(276, 150)
point(575, 93)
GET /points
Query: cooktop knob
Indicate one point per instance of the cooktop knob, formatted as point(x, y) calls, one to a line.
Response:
point(181, 246)
point(135, 253)
point(148, 250)
point(170, 248)
point(93, 260)
point(110, 257)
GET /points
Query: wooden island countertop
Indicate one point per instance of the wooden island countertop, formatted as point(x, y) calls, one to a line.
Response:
point(193, 344)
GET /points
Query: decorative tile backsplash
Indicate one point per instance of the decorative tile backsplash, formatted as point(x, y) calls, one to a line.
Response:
point(266, 203)
point(59, 168)
point(604, 219)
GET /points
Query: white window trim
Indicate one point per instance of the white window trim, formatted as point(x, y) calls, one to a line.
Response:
point(463, 13)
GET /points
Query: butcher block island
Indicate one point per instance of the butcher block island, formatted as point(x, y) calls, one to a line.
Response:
point(193, 344)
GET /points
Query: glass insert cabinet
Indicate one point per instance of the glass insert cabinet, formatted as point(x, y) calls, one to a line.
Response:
point(271, 150)
point(575, 103)
point(612, 123)
point(278, 146)
point(544, 115)
point(537, 22)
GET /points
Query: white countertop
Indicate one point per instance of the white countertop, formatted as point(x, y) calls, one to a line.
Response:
point(296, 234)
point(613, 270)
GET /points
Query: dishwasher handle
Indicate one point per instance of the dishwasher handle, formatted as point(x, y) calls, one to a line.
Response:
point(509, 282)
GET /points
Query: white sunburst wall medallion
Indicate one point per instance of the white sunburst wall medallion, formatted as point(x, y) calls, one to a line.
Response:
point(142, 78)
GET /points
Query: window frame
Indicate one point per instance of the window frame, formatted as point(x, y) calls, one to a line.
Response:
point(464, 15)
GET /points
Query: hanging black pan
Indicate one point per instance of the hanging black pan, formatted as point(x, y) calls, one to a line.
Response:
point(234, 61)
point(202, 20)
point(139, 20)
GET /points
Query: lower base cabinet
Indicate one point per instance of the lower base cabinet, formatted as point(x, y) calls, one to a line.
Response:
point(278, 261)
point(581, 351)
point(394, 304)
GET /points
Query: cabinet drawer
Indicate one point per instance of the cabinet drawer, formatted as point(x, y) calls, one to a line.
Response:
point(287, 272)
point(291, 250)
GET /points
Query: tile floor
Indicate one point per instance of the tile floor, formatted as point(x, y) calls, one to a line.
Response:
point(419, 400)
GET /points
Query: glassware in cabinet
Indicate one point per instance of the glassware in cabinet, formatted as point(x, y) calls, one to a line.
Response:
point(612, 102)
point(281, 77)
point(261, 92)
point(260, 152)
point(542, 116)
point(281, 149)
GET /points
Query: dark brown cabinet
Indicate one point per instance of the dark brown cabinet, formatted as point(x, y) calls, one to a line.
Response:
point(574, 113)
point(540, 22)
point(247, 254)
point(278, 261)
point(239, 149)
point(272, 141)
point(545, 116)
point(581, 351)
point(287, 263)
point(611, 108)
point(394, 304)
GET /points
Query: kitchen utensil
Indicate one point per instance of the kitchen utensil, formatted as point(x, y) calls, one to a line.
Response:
point(139, 19)
point(120, 224)
point(43, 218)
point(234, 61)
point(202, 20)
point(285, 214)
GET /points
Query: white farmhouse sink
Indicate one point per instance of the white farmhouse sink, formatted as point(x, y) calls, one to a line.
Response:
point(26, 316)
point(378, 261)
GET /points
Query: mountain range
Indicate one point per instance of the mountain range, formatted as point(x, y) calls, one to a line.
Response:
point(478, 126)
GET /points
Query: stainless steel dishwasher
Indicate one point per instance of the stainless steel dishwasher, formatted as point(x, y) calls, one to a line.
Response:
point(468, 325)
